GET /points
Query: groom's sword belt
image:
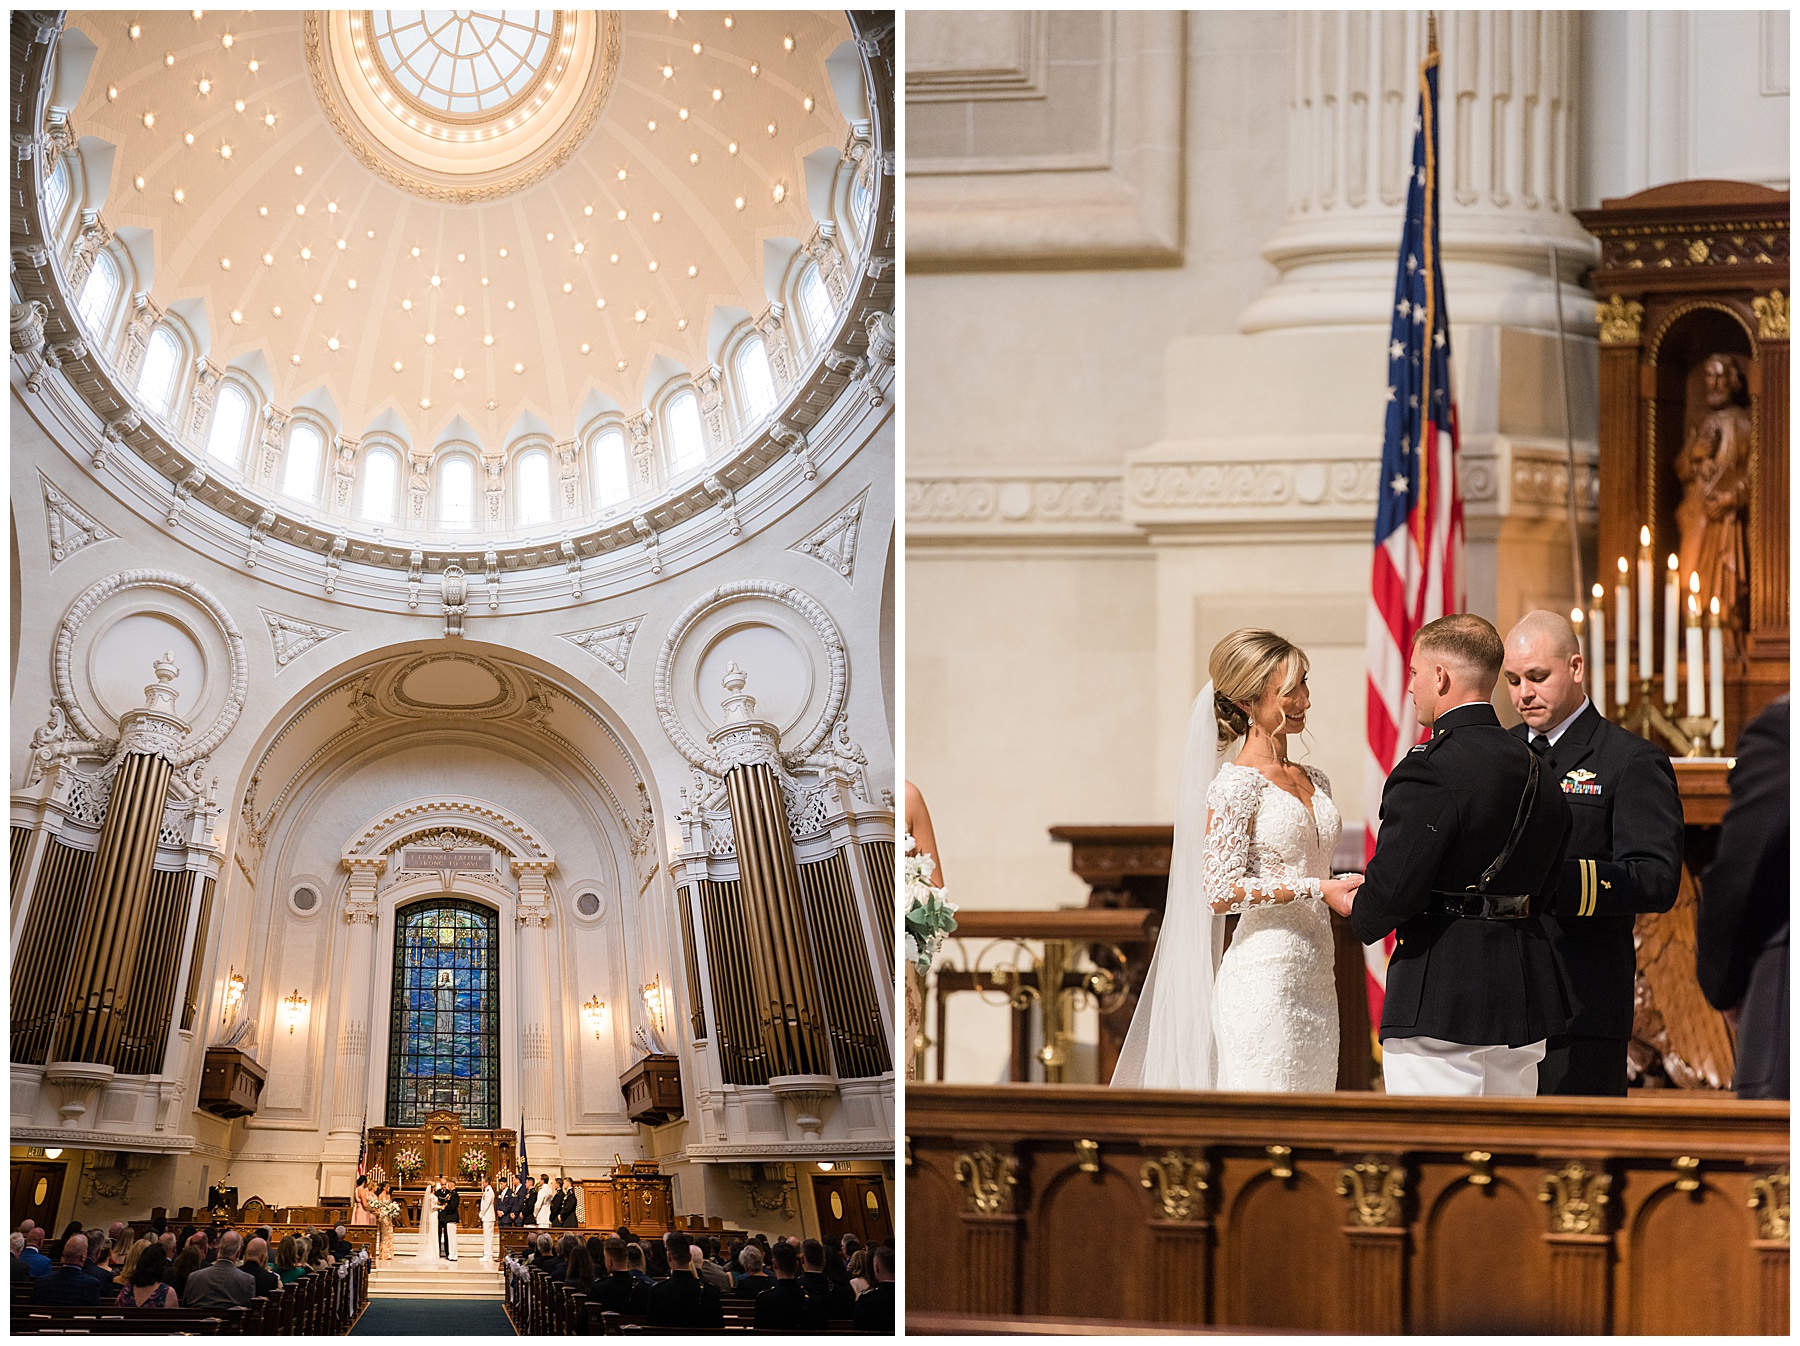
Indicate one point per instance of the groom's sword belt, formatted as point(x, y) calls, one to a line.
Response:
point(1475, 902)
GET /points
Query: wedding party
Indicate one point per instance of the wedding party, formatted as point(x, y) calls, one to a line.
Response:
point(1347, 670)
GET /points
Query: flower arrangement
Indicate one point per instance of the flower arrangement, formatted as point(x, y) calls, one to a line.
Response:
point(929, 916)
point(407, 1164)
point(386, 1210)
point(473, 1165)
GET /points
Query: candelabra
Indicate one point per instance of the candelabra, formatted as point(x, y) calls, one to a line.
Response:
point(1689, 735)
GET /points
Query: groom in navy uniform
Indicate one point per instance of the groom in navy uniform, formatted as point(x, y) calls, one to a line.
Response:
point(1624, 852)
point(1472, 833)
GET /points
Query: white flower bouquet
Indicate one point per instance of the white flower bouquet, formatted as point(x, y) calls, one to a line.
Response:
point(930, 916)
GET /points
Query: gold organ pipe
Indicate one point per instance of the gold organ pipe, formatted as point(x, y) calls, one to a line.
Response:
point(191, 1001)
point(722, 915)
point(146, 1018)
point(696, 1007)
point(857, 1033)
point(41, 966)
point(879, 856)
point(21, 847)
point(117, 895)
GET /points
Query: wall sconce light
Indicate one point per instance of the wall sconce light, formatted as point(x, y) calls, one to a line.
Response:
point(295, 1005)
point(53, 1154)
point(826, 1165)
point(653, 1003)
point(234, 993)
point(595, 1010)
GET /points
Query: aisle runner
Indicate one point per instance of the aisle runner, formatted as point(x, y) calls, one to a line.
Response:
point(433, 1318)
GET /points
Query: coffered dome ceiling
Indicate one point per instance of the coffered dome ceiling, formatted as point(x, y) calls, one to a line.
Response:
point(490, 215)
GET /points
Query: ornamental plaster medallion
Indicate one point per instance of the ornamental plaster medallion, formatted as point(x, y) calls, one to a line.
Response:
point(611, 645)
point(69, 528)
point(292, 637)
point(835, 543)
point(189, 596)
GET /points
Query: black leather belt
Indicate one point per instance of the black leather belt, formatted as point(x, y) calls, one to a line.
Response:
point(1475, 906)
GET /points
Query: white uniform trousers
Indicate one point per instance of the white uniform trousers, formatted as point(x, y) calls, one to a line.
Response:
point(487, 1240)
point(1433, 1066)
point(450, 1238)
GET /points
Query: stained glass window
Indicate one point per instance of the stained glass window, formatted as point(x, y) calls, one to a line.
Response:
point(444, 1039)
point(464, 61)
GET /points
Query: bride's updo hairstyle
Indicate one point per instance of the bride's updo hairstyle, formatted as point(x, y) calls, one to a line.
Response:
point(1241, 666)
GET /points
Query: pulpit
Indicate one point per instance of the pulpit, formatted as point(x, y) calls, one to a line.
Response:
point(652, 1089)
point(637, 1195)
point(230, 1083)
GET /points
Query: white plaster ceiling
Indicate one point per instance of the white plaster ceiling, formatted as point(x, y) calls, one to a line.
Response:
point(357, 267)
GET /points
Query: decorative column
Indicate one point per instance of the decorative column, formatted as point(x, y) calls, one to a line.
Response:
point(1376, 1269)
point(781, 954)
point(360, 914)
point(106, 942)
point(1580, 1248)
point(534, 1002)
point(1180, 1233)
point(1506, 96)
point(990, 1260)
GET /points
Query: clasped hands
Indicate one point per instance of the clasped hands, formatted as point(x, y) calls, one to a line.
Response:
point(1339, 892)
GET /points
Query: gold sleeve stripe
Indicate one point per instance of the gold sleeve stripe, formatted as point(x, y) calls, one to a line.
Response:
point(1590, 887)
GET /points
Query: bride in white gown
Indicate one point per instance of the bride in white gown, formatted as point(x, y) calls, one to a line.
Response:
point(425, 1257)
point(1254, 834)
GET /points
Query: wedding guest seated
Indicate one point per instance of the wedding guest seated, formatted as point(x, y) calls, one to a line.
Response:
point(578, 1266)
point(21, 1274)
point(147, 1287)
point(875, 1307)
point(860, 1276)
point(36, 1263)
point(256, 1263)
point(288, 1264)
point(837, 1297)
point(190, 1261)
point(54, 1251)
point(752, 1279)
point(656, 1258)
point(99, 1264)
point(617, 1290)
point(707, 1267)
point(341, 1247)
point(634, 1262)
point(784, 1306)
point(68, 1283)
point(559, 1262)
point(224, 1284)
point(683, 1300)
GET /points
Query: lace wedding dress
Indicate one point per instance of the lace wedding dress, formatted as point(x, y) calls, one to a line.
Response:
point(426, 1255)
point(1275, 996)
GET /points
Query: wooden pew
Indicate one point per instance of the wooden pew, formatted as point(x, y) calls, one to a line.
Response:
point(58, 1319)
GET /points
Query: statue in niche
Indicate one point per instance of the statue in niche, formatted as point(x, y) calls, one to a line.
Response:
point(1713, 468)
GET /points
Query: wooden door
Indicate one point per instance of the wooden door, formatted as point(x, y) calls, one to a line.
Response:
point(36, 1193)
point(853, 1203)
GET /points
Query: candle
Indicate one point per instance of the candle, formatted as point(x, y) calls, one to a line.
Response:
point(1622, 659)
point(1671, 623)
point(1596, 647)
point(1646, 610)
point(1715, 667)
point(1696, 698)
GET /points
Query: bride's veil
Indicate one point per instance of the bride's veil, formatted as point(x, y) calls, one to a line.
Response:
point(1170, 1043)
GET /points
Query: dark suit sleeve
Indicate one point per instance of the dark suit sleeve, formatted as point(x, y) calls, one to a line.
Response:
point(1744, 893)
point(1418, 821)
point(1644, 874)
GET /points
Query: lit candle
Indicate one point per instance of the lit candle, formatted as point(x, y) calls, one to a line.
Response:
point(1671, 623)
point(1622, 661)
point(1696, 701)
point(1596, 647)
point(1715, 667)
point(1646, 608)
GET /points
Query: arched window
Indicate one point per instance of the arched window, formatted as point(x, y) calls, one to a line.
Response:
point(156, 376)
point(456, 493)
point(380, 474)
point(444, 1033)
point(300, 477)
point(756, 384)
point(687, 442)
point(98, 293)
point(862, 200)
point(56, 192)
point(816, 300)
point(230, 415)
point(612, 472)
point(533, 485)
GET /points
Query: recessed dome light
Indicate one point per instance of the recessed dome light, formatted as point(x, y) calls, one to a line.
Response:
point(718, 94)
point(205, 86)
point(263, 211)
point(779, 193)
point(511, 305)
point(656, 217)
point(518, 369)
point(331, 343)
point(306, 254)
point(331, 207)
point(549, 238)
point(651, 125)
point(580, 248)
point(371, 233)
point(299, 169)
point(149, 119)
point(406, 304)
point(668, 72)
point(728, 20)
point(238, 106)
point(693, 271)
point(276, 310)
point(237, 315)
point(488, 340)
point(180, 196)
point(136, 32)
point(807, 102)
point(437, 280)
point(343, 243)
point(682, 113)
point(568, 287)
point(653, 266)
point(484, 280)
point(503, 252)
point(168, 58)
point(694, 157)
point(621, 214)
point(139, 181)
point(225, 263)
point(255, 65)
point(268, 119)
point(755, 69)
point(300, 208)
point(771, 128)
point(460, 310)
point(188, 139)
point(415, 251)
point(739, 203)
point(431, 338)
point(352, 282)
point(398, 366)
point(639, 316)
point(295, 357)
point(788, 42)
point(587, 210)
point(268, 259)
point(600, 303)
point(458, 373)
point(585, 348)
point(731, 148)
point(621, 366)
point(112, 92)
point(224, 151)
point(425, 402)
point(318, 298)
point(681, 326)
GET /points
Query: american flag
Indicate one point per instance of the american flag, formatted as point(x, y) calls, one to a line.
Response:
point(1418, 574)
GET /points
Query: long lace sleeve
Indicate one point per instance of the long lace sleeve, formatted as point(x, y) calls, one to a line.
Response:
point(1226, 879)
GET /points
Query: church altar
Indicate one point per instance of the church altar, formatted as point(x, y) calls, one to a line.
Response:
point(440, 1145)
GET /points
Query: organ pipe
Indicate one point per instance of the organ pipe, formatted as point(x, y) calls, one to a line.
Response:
point(858, 1037)
point(41, 962)
point(191, 1000)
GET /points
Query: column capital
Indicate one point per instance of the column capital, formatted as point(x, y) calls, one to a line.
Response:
point(365, 866)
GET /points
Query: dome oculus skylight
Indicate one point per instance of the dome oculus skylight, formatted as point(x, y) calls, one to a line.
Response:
point(464, 62)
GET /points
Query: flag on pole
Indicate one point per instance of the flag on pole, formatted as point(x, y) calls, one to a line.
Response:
point(362, 1148)
point(1418, 573)
point(524, 1164)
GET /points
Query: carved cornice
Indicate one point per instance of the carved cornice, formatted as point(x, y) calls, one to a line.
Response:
point(1078, 503)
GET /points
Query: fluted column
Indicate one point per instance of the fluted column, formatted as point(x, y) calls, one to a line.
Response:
point(534, 1000)
point(1506, 98)
point(112, 918)
point(781, 954)
point(360, 914)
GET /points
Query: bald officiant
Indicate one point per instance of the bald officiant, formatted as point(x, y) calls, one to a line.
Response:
point(1624, 852)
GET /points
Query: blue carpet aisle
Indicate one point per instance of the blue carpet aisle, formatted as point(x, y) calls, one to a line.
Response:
point(434, 1318)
